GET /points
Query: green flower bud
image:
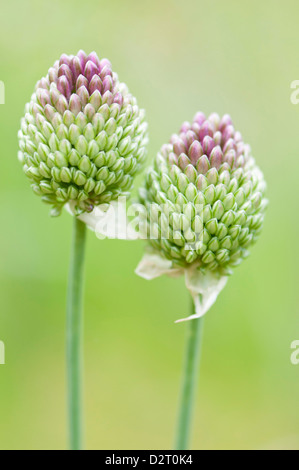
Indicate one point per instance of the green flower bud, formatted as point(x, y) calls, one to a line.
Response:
point(216, 191)
point(80, 123)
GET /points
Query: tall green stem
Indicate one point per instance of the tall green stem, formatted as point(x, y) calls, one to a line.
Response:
point(189, 382)
point(74, 335)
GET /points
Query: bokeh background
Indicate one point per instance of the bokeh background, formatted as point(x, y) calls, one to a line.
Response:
point(178, 58)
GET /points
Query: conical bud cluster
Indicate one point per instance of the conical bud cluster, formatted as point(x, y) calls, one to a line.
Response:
point(204, 196)
point(83, 136)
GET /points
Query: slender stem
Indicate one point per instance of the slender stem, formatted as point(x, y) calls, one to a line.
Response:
point(74, 334)
point(189, 382)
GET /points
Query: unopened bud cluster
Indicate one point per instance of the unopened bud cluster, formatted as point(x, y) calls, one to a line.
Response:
point(208, 193)
point(83, 136)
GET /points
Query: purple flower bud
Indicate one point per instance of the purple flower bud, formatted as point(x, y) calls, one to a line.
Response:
point(76, 67)
point(95, 84)
point(107, 84)
point(217, 138)
point(64, 86)
point(105, 70)
point(199, 118)
point(230, 157)
point(64, 70)
point(65, 60)
point(195, 128)
point(90, 70)
point(83, 95)
point(225, 121)
point(230, 144)
point(82, 58)
point(81, 81)
point(208, 144)
point(214, 119)
point(228, 133)
point(75, 104)
point(185, 127)
point(216, 175)
point(183, 138)
point(118, 98)
point(195, 152)
point(105, 63)
point(94, 58)
point(190, 138)
point(203, 165)
point(206, 129)
point(179, 147)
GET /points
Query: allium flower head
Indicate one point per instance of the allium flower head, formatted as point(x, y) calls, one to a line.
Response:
point(83, 137)
point(205, 196)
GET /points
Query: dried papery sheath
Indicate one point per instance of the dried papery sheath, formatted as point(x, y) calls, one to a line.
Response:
point(83, 137)
point(205, 206)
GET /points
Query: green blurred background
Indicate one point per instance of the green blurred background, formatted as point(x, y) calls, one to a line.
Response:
point(177, 58)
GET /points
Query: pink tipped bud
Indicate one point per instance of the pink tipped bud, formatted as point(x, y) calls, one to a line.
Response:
point(216, 157)
point(206, 129)
point(94, 58)
point(195, 152)
point(199, 118)
point(95, 84)
point(208, 144)
point(64, 86)
point(179, 147)
point(225, 121)
point(90, 70)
